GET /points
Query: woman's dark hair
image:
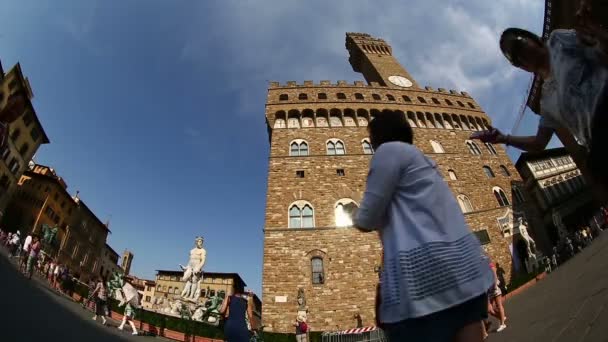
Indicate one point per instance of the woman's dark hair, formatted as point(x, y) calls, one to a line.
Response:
point(511, 43)
point(389, 126)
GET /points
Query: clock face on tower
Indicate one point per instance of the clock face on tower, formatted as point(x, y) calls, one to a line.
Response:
point(400, 81)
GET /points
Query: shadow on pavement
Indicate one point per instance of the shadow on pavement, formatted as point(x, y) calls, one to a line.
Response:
point(29, 313)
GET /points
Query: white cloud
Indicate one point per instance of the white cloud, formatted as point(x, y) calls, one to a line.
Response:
point(451, 44)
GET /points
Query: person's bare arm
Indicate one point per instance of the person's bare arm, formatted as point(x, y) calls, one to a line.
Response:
point(224, 307)
point(533, 143)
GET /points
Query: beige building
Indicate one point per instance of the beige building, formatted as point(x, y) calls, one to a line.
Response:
point(42, 198)
point(109, 262)
point(170, 285)
point(147, 300)
point(25, 137)
point(319, 155)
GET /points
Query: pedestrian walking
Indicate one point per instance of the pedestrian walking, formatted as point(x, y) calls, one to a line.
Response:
point(496, 307)
point(439, 294)
point(25, 253)
point(234, 308)
point(101, 298)
point(34, 249)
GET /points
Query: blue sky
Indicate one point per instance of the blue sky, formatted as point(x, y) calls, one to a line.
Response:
point(155, 109)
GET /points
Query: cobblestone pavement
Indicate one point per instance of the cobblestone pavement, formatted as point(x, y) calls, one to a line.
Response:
point(31, 311)
point(569, 305)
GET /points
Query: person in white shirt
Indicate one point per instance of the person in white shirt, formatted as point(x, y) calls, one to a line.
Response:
point(25, 252)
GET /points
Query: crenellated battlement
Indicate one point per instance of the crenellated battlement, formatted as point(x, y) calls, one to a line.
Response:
point(273, 85)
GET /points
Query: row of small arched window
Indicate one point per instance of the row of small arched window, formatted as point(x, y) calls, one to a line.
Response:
point(348, 118)
point(299, 147)
point(302, 215)
point(486, 170)
point(376, 97)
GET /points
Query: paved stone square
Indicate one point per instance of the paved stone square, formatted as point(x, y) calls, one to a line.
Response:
point(569, 305)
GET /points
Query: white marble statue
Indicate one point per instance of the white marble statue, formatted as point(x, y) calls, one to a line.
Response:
point(531, 259)
point(193, 272)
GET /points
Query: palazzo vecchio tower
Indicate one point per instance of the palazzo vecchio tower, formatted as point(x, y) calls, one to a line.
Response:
point(319, 155)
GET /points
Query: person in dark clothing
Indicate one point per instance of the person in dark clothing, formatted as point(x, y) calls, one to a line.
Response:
point(234, 308)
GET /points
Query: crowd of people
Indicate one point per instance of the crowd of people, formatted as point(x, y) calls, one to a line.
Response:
point(32, 260)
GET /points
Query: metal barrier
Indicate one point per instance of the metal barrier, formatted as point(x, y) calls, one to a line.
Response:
point(369, 334)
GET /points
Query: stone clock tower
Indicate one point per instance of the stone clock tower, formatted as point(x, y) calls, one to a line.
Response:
point(373, 58)
point(318, 163)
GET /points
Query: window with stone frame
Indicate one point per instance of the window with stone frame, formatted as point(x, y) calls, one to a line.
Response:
point(435, 101)
point(473, 148)
point(283, 97)
point(367, 147)
point(421, 99)
point(302, 96)
point(359, 96)
point(452, 174)
point(317, 270)
point(504, 171)
point(488, 171)
point(483, 236)
point(335, 147)
point(322, 96)
point(298, 148)
point(490, 148)
point(406, 98)
point(341, 96)
point(501, 197)
point(437, 148)
point(465, 204)
point(301, 215)
point(376, 97)
point(449, 102)
point(342, 217)
point(390, 97)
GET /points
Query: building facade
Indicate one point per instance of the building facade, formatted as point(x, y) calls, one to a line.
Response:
point(169, 284)
point(41, 198)
point(25, 137)
point(557, 192)
point(109, 262)
point(127, 260)
point(319, 155)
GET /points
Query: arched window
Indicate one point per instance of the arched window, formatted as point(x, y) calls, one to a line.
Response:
point(491, 148)
point(165, 288)
point(465, 204)
point(298, 148)
point(158, 288)
point(473, 148)
point(279, 123)
point(283, 97)
point(376, 97)
point(435, 101)
point(438, 121)
point(335, 147)
point(488, 171)
point(301, 215)
point(437, 148)
point(322, 96)
point(452, 174)
point(342, 217)
point(341, 96)
point(390, 97)
point(421, 99)
point(501, 197)
point(406, 98)
point(367, 147)
point(460, 104)
point(302, 96)
point(471, 105)
point(317, 270)
point(505, 172)
point(449, 102)
point(358, 96)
